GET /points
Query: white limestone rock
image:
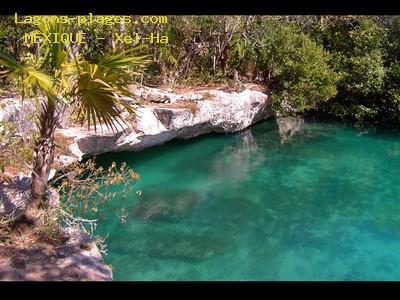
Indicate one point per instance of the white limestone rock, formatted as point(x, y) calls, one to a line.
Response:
point(213, 111)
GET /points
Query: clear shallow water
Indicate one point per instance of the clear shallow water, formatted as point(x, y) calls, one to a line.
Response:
point(325, 205)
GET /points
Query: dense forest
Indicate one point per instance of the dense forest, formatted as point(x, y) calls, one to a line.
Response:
point(343, 66)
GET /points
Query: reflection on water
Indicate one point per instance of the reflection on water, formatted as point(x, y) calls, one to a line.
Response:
point(323, 205)
point(235, 161)
point(288, 126)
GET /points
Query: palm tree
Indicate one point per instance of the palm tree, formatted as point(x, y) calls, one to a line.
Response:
point(96, 92)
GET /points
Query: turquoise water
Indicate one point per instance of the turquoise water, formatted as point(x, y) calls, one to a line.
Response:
point(324, 205)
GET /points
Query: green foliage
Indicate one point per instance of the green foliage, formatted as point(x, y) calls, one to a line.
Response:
point(295, 68)
point(361, 63)
point(305, 75)
point(94, 89)
point(359, 56)
point(343, 65)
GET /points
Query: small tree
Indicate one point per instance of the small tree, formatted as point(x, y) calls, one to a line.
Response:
point(95, 90)
point(295, 68)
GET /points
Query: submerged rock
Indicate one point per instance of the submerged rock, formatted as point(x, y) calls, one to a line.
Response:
point(165, 206)
point(166, 244)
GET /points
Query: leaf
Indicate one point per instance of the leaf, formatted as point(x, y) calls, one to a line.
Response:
point(10, 63)
point(99, 97)
point(125, 60)
point(44, 81)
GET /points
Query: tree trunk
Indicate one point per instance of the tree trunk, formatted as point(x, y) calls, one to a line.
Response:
point(44, 156)
point(236, 81)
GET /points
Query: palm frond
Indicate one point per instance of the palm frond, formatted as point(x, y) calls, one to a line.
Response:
point(130, 59)
point(99, 98)
point(9, 64)
point(55, 53)
point(44, 81)
point(99, 89)
point(30, 78)
point(3, 31)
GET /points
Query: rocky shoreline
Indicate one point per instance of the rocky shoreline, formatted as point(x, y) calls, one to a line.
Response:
point(74, 257)
point(162, 116)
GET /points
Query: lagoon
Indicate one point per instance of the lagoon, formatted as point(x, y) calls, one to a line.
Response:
point(322, 204)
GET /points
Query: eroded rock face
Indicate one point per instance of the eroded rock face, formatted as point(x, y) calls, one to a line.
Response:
point(23, 114)
point(13, 197)
point(163, 116)
point(183, 117)
point(77, 258)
